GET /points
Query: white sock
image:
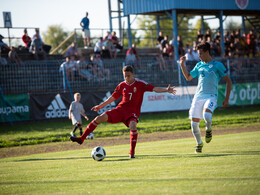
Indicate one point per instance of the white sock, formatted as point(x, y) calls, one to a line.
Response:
point(208, 119)
point(196, 131)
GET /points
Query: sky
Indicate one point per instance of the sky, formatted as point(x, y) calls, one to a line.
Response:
point(67, 13)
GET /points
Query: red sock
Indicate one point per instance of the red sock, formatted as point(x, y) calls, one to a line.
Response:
point(90, 128)
point(133, 140)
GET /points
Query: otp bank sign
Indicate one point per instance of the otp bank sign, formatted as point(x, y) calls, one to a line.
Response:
point(245, 94)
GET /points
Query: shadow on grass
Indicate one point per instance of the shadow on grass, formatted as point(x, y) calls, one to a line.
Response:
point(173, 156)
point(132, 180)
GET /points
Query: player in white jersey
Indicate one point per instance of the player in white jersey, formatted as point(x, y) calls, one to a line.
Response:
point(75, 111)
point(209, 73)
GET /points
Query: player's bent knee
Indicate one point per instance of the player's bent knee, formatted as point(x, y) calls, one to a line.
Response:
point(132, 125)
point(207, 116)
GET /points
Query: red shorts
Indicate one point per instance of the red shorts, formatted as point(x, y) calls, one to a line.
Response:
point(117, 116)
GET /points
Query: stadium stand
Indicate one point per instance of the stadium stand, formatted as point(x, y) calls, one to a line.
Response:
point(44, 76)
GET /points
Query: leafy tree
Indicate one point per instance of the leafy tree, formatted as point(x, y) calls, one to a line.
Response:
point(148, 33)
point(55, 35)
point(198, 26)
point(232, 25)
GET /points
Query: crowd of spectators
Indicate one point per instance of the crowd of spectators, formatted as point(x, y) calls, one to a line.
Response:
point(90, 69)
point(237, 45)
point(34, 46)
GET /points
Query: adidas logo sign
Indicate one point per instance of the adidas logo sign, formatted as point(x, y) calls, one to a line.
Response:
point(109, 106)
point(57, 108)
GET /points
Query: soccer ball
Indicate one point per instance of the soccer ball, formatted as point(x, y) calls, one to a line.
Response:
point(98, 153)
point(90, 136)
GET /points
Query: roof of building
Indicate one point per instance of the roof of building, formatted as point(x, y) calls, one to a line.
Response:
point(193, 7)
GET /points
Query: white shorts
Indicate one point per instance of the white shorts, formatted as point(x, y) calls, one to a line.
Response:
point(85, 33)
point(199, 105)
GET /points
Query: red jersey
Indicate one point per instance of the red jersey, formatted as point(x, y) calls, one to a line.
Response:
point(26, 39)
point(132, 95)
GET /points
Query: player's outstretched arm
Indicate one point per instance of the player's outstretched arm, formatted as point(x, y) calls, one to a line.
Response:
point(169, 89)
point(228, 90)
point(108, 101)
point(186, 74)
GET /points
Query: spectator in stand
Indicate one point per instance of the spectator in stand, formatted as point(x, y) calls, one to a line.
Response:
point(84, 69)
point(110, 47)
point(92, 63)
point(227, 35)
point(170, 51)
point(3, 47)
point(99, 46)
point(238, 34)
point(164, 42)
point(159, 60)
point(226, 44)
point(37, 48)
point(192, 55)
point(187, 47)
point(102, 71)
point(180, 45)
point(64, 67)
point(138, 59)
point(195, 52)
point(199, 36)
point(72, 67)
point(3, 61)
point(232, 48)
point(165, 53)
point(115, 41)
point(159, 39)
point(26, 39)
point(251, 42)
point(45, 47)
point(244, 45)
point(208, 34)
point(216, 48)
point(72, 51)
point(218, 36)
point(13, 56)
point(85, 31)
point(130, 58)
point(107, 36)
point(238, 46)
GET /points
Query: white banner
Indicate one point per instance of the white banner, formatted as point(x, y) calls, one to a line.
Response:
point(161, 102)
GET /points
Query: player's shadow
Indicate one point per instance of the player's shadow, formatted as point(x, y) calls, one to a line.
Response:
point(152, 156)
point(52, 159)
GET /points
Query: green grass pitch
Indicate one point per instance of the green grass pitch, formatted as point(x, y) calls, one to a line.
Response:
point(228, 165)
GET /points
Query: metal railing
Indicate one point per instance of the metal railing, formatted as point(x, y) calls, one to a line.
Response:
point(46, 77)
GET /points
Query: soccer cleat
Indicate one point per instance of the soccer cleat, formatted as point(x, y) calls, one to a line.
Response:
point(131, 155)
point(76, 139)
point(72, 134)
point(199, 148)
point(208, 136)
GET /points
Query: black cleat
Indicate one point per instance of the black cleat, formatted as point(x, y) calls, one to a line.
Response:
point(208, 136)
point(199, 148)
point(76, 139)
point(131, 155)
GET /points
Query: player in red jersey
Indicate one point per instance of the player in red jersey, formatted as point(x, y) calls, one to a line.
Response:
point(128, 110)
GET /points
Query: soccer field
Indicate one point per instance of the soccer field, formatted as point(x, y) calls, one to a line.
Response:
point(228, 165)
